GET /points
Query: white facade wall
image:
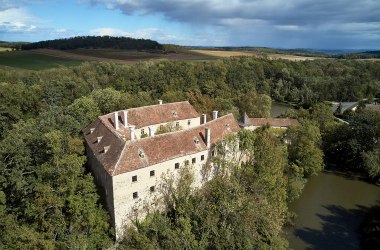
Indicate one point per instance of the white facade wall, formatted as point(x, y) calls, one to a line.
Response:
point(184, 124)
point(103, 179)
point(123, 186)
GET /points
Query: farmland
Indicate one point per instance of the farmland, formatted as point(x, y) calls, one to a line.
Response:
point(40, 59)
point(34, 61)
point(223, 53)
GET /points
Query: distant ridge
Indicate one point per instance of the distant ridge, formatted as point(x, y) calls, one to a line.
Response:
point(95, 42)
point(321, 53)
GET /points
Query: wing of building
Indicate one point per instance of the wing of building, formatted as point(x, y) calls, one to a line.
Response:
point(253, 123)
point(128, 156)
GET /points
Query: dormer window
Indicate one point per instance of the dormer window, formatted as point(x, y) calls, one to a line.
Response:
point(196, 140)
point(92, 130)
point(213, 152)
point(174, 113)
point(105, 149)
point(98, 139)
point(141, 154)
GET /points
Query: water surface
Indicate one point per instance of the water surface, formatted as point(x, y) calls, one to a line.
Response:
point(279, 108)
point(330, 211)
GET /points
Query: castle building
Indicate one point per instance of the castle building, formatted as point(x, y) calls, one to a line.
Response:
point(254, 123)
point(128, 151)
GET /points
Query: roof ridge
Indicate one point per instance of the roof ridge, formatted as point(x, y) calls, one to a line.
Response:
point(120, 157)
point(112, 130)
point(142, 107)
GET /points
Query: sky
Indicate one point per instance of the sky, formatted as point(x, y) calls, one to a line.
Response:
point(313, 24)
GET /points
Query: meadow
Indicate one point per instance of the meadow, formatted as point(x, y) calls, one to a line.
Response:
point(40, 59)
point(33, 61)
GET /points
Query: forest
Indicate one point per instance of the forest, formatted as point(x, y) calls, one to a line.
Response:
point(48, 198)
point(95, 42)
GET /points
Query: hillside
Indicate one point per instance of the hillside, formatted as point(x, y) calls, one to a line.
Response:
point(94, 42)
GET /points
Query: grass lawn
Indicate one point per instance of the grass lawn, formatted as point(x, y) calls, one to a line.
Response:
point(33, 61)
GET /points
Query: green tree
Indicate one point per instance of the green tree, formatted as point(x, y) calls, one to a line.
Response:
point(304, 148)
point(84, 110)
point(255, 105)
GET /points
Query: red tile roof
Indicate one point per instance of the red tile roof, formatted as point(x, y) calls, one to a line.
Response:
point(274, 122)
point(124, 156)
point(154, 114)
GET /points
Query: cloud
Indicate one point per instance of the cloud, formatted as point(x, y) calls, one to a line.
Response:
point(314, 18)
point(16, 20)
point(18, 24)
point(10, 4)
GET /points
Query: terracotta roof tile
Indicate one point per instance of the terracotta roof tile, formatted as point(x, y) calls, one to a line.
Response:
point(168, 146)
point(107, 138)
point(154, 114)
point(275, 122)
point(124, 156)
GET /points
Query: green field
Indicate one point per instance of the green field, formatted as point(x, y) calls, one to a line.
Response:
point(3, 49)
point(33, 61)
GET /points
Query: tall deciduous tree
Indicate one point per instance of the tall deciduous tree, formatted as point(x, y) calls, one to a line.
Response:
point(304, 148)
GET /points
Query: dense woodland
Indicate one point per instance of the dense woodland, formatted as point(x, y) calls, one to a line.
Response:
point(95, 42)
point(48, 198)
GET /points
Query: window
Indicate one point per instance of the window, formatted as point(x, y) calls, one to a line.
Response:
point(196, 140)
point(135, 195)
point(152, 173)
point(152, 189)
point(134, 178)
point(177, 124)
point(194, 160)
point(187, 163)
point(189, 122)
point(176, 166)
point(202, 157)
point(141, 154)
point(213, 152)
point(142, 131)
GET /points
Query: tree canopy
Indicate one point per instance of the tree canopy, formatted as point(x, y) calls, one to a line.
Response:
point(94, 42)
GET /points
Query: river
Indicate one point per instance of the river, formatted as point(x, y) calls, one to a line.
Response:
point(330, 211)
point(279, 108)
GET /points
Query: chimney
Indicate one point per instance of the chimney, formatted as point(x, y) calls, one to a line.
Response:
point(160, 102)
point(208, 137)
point(151, 131)
point(204, 118)
point(245, 118)
point(214, 114)
point(116, 120)
point(132, 130)
point(125, 118)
